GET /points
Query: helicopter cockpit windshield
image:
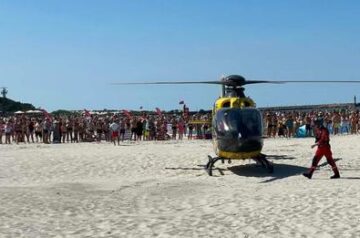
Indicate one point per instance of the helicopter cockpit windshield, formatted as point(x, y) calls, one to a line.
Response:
point(238, 130)
point(244, 123)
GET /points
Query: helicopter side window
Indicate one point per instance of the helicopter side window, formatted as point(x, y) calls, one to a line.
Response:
point(247, 103)
point(226, 104)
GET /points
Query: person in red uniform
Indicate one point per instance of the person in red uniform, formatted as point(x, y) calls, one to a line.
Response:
point(322, 142)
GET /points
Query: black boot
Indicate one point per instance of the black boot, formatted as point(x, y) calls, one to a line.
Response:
point(314, 164)
point(308, 175)
point(336, 173)
point(310, 172)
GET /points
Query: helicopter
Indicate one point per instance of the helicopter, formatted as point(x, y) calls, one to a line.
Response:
point(237, 125)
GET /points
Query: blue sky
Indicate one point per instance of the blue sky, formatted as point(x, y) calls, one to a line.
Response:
point(64, 54)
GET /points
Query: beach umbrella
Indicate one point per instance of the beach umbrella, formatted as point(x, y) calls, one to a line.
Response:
point(19, 112)
point(37, 111)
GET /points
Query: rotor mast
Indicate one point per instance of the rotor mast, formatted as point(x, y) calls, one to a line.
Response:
point(234, 91)
point(233, 86)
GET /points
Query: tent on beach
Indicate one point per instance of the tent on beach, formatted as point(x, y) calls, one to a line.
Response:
point(301, 132)
point(34, 112)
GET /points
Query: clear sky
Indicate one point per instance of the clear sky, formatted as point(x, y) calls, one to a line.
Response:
point(64, 54)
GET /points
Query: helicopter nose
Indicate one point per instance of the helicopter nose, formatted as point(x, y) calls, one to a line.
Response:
point(237, 143)
point(250, 144)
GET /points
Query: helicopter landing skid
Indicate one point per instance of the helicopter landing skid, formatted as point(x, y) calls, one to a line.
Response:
point(265, 163)
point(210, 164)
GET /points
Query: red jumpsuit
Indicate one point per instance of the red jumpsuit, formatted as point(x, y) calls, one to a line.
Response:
point(323, 139)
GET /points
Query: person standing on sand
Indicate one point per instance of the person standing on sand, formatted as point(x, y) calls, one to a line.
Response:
point(46, 130)
point(8, 131)
point(336, 122)
point(122, 129)
point(190, 134)
point(115, 128)
point(133, 128)
point(2, 128)
point(181, 128)
point(69, 130)
point(322, 142)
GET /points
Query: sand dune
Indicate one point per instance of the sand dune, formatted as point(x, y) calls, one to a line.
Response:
point(159, 189)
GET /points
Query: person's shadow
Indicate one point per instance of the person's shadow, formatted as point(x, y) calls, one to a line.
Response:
point(341, 169)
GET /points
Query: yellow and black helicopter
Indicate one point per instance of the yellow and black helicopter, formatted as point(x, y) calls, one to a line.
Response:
point(236, 122)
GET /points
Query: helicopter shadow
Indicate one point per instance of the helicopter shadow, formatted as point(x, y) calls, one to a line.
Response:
point(278, 157)
point(281, 171)
point(326, 163)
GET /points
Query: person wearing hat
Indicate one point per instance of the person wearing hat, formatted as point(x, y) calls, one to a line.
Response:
point(322, 140)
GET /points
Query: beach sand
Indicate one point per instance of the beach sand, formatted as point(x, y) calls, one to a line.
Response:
point(160, 189)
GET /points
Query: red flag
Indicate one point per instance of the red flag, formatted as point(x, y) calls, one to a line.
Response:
point(127, 113)
point(46, 114)
point(158, 111)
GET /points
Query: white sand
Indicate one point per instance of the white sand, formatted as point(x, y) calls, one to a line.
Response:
point(160, 189)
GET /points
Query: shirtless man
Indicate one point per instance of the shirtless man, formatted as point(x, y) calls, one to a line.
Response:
point(8, 131)
point(115, 129)
point(122, 129)
point(336, 122)
point(18, 131)
point(2, 128)
point(133, 128)
point(30, 130)
point(354, 123)
point(38, 131)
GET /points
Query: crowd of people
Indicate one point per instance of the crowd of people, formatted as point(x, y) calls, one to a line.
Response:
point(111, 128)
point(117, 128)
point(299, 124)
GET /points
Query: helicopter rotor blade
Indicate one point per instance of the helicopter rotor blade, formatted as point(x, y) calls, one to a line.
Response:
point(317, 81)
point(228, 83)
point(261, 81)
point(236, 82)
point(172, 82)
